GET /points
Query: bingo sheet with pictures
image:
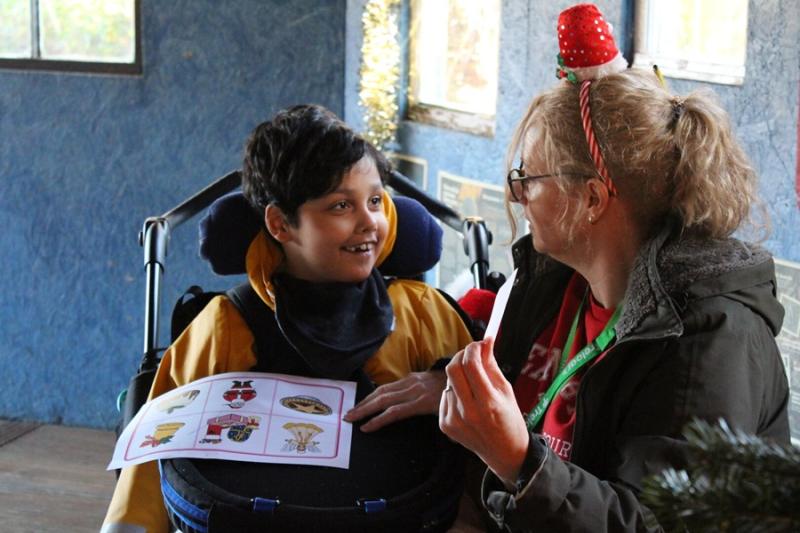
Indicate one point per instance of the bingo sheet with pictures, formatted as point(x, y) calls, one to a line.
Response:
point(244, 416)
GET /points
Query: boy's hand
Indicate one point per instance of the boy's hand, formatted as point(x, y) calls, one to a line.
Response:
point(416, 394)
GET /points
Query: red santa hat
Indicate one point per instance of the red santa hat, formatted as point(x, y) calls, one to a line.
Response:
point(587, 49)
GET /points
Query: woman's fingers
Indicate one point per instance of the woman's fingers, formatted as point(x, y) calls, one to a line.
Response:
point(495, 375)
point(444, 408)
point(451, 420)
point(475, 371)
point(456, 379)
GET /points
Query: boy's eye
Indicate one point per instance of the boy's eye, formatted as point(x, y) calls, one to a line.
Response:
point(340, 205)
point(376, 200)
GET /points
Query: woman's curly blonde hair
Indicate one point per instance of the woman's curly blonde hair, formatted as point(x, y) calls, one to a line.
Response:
point(667, 155)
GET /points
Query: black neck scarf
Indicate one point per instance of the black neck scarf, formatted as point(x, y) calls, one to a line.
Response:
point(334, 327)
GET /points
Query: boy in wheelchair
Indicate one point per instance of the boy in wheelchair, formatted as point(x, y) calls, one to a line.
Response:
point(328, 223)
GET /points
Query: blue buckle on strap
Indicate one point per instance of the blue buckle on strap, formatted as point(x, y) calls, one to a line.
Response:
point(265, 505)
point(372, 506)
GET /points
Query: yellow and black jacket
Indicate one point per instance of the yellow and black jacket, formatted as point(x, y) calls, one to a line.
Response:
point(218, 340)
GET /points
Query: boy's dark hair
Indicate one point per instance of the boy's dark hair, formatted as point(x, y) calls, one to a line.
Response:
point(302, 153)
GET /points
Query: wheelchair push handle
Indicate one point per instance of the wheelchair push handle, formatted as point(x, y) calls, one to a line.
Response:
point(154, 238)
point(477, 239)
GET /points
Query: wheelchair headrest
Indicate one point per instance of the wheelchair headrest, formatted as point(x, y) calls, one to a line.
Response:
point(230, 225)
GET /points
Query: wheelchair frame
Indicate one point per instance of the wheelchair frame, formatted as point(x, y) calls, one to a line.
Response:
point(154, 238)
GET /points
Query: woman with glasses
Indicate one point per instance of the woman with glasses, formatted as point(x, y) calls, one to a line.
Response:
point(633, 309)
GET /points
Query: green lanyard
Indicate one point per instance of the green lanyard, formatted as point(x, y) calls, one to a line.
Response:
point(587, 353)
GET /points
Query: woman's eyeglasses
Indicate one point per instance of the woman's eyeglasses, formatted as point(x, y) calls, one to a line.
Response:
point(518, 181)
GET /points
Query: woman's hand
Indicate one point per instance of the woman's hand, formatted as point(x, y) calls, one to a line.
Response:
point(479, 410)
point(416, 394)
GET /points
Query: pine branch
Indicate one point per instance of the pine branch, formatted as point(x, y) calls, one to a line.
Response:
point(734, 482)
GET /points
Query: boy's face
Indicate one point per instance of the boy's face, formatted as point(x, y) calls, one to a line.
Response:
point(338, 236)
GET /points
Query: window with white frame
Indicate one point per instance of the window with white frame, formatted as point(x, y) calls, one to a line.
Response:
point(693, 39)
point(454, 56)
point(70, 35)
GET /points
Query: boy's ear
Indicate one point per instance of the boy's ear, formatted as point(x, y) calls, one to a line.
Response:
point(277, 224)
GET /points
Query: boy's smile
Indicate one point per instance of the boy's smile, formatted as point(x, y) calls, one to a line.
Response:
point(338, 236)
point(361, 248)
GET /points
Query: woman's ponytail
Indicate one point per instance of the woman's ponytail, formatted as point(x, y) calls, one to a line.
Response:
point(714, 183)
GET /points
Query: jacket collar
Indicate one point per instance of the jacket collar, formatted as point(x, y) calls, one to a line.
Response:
point(673, 269)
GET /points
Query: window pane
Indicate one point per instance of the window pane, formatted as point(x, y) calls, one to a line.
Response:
point(688, 38)
point(455, 54)
point(15, 28)
point(473, 198)
point(712, 30)
point(88, 30)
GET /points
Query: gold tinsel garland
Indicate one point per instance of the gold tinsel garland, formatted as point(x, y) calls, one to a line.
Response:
point(380, 72)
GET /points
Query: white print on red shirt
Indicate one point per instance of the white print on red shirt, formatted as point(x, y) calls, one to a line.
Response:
point(560, 447)
point(568, 392)
point(541, 364)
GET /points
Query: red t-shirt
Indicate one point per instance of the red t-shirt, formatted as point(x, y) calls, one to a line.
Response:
point(558, 422)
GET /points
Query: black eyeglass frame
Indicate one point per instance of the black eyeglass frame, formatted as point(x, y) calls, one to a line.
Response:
point(518, 175)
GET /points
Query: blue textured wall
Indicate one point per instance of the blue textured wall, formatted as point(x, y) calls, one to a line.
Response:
point(84, 159)
point(764, 110)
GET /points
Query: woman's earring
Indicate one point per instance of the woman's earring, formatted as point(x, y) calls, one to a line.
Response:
point(591, 219)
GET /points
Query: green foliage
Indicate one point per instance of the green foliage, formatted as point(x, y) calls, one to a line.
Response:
point(734, 482)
